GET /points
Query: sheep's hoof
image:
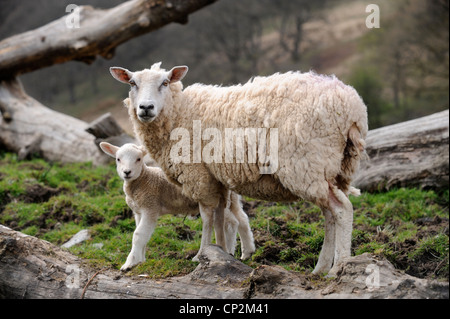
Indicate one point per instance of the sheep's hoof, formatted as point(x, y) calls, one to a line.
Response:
point(333, 273)
point(320, 270)
point(196, 258)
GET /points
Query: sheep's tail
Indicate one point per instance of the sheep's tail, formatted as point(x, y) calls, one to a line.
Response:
point(354, 150)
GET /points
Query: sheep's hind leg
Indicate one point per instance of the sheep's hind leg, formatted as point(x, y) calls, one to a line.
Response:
point(327, 253)
point(342, 211)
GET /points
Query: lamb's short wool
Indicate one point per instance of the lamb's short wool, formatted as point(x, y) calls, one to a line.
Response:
point(149, 195)
point(320, 122)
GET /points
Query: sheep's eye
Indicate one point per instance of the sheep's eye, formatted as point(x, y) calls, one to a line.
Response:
point(138, 160)
point(132, 83)
point(118, 159)
point(165, 83)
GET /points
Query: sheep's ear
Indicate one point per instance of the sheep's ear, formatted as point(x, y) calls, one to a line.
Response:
point(177, 73)
point(109, 149)
point(121, 74)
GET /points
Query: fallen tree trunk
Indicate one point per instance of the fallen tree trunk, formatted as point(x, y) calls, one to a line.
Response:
point(32, 127)
point(33, 268)
point(413, 153)
point(99, 32)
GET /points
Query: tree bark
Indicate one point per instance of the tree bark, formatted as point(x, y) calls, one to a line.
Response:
point(413, 154)
point(31, 127)
point(34, 268)
point(99, 33)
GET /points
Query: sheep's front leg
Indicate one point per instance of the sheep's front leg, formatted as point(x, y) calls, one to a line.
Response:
point(144, 230)
point(327, 253)
point(207, 215)
point(219, 217)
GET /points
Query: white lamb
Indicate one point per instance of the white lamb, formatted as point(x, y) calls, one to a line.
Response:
point(316, 124)
point(150, 195)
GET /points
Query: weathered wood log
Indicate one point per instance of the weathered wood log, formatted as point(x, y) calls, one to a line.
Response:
point(106, 129)
point(32, 127)
point(104, 126)
point(413, 153)
point(33, 268)
point(99, 32)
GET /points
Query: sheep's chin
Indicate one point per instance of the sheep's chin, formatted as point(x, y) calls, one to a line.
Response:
point(146, 119)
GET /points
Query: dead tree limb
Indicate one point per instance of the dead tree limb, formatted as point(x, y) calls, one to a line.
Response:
point(32, 268)
point(99, 33)
point(413, 153)
point(32, 127)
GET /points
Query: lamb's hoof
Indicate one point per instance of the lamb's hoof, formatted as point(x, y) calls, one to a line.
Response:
point(128, 266)
point(246, 256)
point(125, 268)
point(196, 258)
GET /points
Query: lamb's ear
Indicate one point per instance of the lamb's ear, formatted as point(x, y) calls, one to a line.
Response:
point(177, 73)
point(121, 74)
point(143, 149)
point(109, 149)
point(126, 102)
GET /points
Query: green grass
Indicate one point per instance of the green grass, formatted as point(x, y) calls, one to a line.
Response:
point(409, 227)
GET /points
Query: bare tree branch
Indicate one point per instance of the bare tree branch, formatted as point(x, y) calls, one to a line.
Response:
point(99, 33)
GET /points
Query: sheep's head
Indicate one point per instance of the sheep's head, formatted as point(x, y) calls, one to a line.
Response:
point(150, 88)
point(129, 159)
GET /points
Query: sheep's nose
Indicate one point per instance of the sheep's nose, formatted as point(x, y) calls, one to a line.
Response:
point(146, 107)
point(127, 173)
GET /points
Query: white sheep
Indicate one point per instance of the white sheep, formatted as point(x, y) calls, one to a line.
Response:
point(316, 126)
point(150, 195)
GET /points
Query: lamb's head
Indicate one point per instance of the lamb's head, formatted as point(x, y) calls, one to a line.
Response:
point(129, 159)
point(150, 88)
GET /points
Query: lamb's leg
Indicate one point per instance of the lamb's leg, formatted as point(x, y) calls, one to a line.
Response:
point(231, 228)
point(207, 215)
point(141, 236)
point(327, 253)
point(245, 232)
point(137, 218)
point(342, 211)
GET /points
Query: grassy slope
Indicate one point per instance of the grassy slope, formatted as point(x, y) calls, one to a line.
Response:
point(53, 202)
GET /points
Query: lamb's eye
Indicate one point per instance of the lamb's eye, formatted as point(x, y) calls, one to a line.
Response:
point(132, 83)
point(165, 83)
point(118, 159)
point(138, 160)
